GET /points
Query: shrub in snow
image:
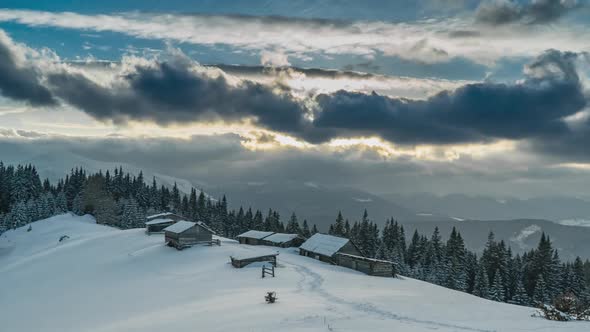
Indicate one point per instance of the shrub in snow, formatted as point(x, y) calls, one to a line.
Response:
point(565, 307)
point(270, 297)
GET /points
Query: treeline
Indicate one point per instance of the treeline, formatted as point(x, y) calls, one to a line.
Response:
point(535, 277)
point(122, 200)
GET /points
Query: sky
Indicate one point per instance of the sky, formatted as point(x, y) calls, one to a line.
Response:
point(441, 96)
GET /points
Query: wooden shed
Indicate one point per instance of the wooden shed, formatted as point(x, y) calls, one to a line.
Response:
point(243, 260)
point(283, 240)
point(370, 266)
point(325, 247)
point(184, 234)
point(155, 226)
point(253, 237)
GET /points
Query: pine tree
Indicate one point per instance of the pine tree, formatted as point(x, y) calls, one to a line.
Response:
point(497, 292)
point(481, 286)
point(305, 232)
point(338, 228)
point(293, 225)
point(314, 230)
point(520, 296)
point(541, 294)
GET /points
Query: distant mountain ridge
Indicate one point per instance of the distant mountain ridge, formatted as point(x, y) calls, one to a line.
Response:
point(556, 208)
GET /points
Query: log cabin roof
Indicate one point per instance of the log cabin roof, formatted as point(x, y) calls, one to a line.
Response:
point(159, 221)
point(259, 235)
point(281, 237)
point(324, 244)
point(180, 226)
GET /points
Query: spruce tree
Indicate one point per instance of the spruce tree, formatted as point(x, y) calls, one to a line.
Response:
point(541, 294)
point(481, 286)
point(520, 296)
point(305, 232)
point(497, 290)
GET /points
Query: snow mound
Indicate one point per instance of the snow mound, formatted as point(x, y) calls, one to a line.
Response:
point(107, 280)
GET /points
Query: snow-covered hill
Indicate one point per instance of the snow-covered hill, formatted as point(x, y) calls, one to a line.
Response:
point(104, 279)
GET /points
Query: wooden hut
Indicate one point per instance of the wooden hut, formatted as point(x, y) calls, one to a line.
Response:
point(157, 225)
point(283, 240)
point(325, 247)
point(184, 234)
point(253, 237)
point(370, 266)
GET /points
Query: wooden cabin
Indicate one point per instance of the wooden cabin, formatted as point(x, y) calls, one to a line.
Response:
point(184, 234)
point(283, 240)
point(156, 226)
point(325, 248)
point(253, 237)
point(370, 266)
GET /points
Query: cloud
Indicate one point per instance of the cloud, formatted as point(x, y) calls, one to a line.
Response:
point(173, 92)
point(424, 41)
point(274, 59)
point(17, 80)
point(499, 12)
point(176, 90)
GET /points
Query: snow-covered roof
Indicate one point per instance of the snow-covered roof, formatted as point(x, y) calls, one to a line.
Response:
point(180, 226)
point(159, 221)
point(324, 244)
point(256, 254)
point(366, 259)
point(259, 235)
point(281, 237)
point(159, 215)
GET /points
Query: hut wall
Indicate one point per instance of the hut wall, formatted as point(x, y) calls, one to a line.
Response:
point(368, 266)
point(250, 241)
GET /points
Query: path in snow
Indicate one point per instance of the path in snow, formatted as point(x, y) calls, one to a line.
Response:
point(315, 281)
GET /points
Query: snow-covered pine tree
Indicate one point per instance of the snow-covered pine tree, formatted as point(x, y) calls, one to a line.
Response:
point(61, 204)
point(305, 232)
point(338, 228)
point(293, 225)
point(481, 286)
point(541, 294)
point(520, 296)
point(497, 292)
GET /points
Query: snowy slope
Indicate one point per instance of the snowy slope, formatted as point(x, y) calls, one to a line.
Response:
point(103, 279)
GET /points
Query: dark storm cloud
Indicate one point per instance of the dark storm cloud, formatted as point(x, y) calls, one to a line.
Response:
point(20, 83)
point(170, 92)
point(500, 12)
point(533, 109)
